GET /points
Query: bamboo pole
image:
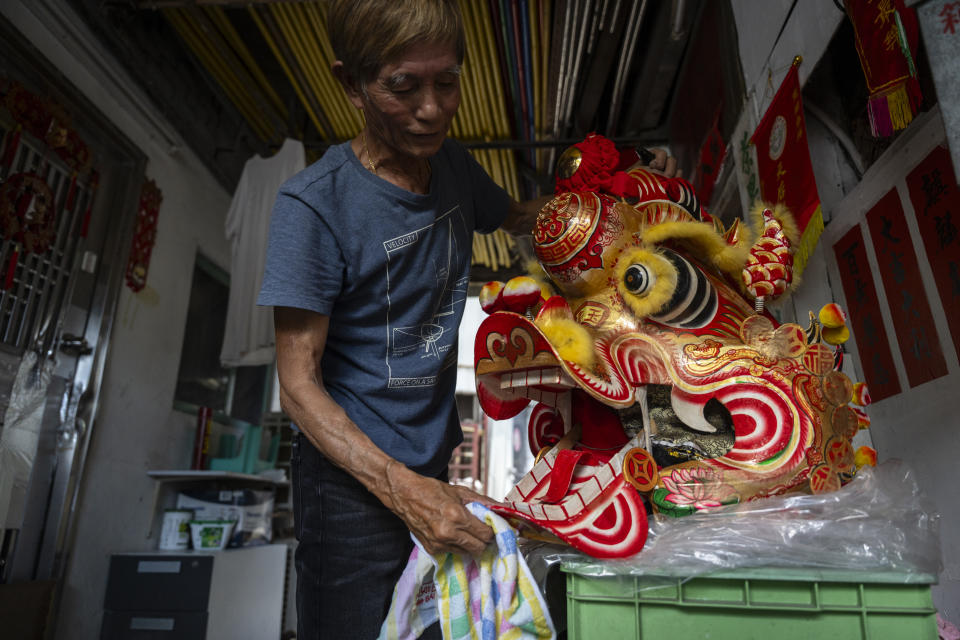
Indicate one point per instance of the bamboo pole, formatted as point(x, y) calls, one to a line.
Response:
point(351, 116)
point(303, 62)
point(192, 34)
point(288, 70)
point(226, 28)
point(257, 104)
point(315, 67)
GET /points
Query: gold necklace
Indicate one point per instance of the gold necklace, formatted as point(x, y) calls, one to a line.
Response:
point(373, 166)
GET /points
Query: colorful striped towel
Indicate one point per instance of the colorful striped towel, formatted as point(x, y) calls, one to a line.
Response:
point(484, 598)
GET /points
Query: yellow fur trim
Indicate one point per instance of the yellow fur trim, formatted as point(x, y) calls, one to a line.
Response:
point(708, 244)
point(811, 235)
point(662, 273)
point(571, 339)
point(536, 271)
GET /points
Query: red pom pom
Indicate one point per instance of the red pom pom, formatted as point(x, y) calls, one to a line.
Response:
point(599, 159)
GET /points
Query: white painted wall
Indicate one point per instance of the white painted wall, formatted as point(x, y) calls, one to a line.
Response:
point(136, 428)
point(920, 425)
point(764, 58)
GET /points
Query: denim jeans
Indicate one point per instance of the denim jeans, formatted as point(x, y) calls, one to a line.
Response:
point(351, 551)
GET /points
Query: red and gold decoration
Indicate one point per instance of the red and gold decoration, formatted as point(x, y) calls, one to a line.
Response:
point(887, 35)
point(656, 383)
point(144, 236)
point(28, 208)
point(768, 272)
point(783, 164)
point(45, 120)
point(864, 306)
point(712, 153)
point(28, 215)
point(935, 196)
point(865, 457)
point(906, 298)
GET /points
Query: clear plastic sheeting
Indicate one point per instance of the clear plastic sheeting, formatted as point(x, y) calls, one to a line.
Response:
point(878, 522)
point(20, 434)
point(9, 365)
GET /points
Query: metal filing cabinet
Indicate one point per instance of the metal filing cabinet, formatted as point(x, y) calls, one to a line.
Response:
point(227, 595)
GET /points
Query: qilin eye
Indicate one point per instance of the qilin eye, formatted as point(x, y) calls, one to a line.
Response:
point(694, 301)
point(638, 279)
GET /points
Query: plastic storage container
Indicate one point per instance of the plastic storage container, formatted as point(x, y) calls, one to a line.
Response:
point(761, 604)
point(240, 450)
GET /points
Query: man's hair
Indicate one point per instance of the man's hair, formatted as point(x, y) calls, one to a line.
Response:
point(366, 34)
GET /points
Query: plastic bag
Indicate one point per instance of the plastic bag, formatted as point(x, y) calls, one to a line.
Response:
point(879, 521)
point(252, 510)
point(20, 434)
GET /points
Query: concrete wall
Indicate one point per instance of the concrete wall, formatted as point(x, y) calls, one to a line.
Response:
point(136, 428)
point(919, 425)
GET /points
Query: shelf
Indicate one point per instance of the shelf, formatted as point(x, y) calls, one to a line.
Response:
point(190, 474)
point(166, 477)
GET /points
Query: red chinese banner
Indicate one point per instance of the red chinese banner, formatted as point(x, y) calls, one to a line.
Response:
point(712, 152)
point(145, 234)
point(906, 298)
point(887, 35)
point(864, 314)
point(949, 15)
point(936, 203)
point(783, 164)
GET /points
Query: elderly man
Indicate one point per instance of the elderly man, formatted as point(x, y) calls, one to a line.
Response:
point(367, 270)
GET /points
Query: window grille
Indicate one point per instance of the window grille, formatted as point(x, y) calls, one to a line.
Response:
point(30, 308)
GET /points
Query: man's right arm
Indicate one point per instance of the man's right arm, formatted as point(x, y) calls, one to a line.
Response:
point(432, 510)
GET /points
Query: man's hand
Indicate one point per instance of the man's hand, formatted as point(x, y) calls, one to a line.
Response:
point(665, 165)
point(435, 513)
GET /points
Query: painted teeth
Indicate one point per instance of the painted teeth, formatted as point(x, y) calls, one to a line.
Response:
point(554, 376)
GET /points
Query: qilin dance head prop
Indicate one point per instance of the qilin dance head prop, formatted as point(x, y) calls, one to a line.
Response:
point(657, 379)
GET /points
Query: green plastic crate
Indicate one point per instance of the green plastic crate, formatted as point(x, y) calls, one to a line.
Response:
point(761, 604)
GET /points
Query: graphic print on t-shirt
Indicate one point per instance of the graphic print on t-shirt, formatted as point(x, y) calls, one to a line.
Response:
point(417, 353)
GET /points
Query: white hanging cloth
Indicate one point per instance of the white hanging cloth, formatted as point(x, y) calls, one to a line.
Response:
point(248, 337)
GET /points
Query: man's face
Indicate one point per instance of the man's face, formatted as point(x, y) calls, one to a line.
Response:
point(411, 102)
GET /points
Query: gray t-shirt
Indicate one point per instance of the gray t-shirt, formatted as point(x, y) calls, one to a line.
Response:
point(391, 269)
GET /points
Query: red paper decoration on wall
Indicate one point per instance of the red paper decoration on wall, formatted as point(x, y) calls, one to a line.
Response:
point(784, 167)
point(144, 235)
point(906, 298)
point(46, 120)
point(936, 204)
point(863, 309)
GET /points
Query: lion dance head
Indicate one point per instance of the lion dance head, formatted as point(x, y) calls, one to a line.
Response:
point(659, 383)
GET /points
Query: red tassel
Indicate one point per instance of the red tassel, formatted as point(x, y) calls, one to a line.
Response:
point(86, 220)
point(10, 149)
point(11, 269)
